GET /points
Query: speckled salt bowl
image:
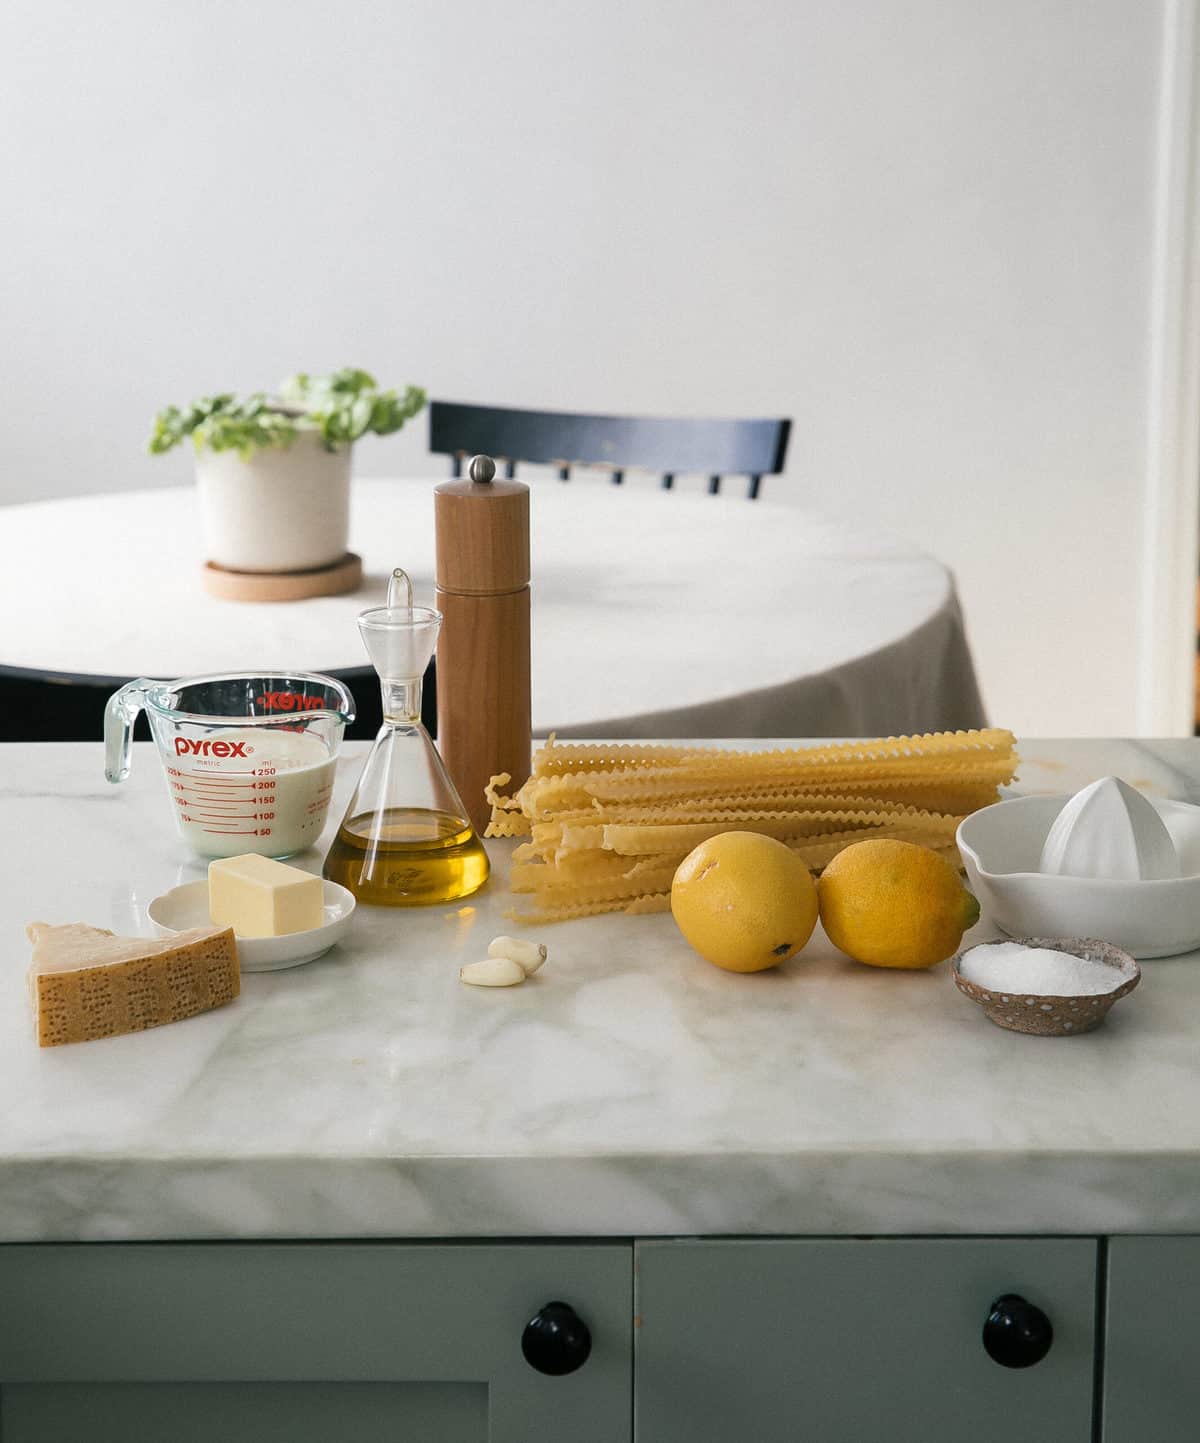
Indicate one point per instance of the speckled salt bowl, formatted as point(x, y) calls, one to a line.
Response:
point(1044, 1015)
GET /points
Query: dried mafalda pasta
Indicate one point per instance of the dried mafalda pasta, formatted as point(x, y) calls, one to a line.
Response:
point(653, 862)
point(608, 889)
point(507, 820)
point(606, 825)
point(653, 902)
point(535, 914)
point(578, 869)
point(720, 809)
point(586, 866)
point(555, 759)
point(507, 824)
point(494, 797)
point(819, 852)
point(710, 781)
point(579, 837)
point(541, 912)
point(634, 841)
point(946, 796)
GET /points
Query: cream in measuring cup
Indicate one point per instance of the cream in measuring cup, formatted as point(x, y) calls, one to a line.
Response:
point(251, 791)
point(249, 760)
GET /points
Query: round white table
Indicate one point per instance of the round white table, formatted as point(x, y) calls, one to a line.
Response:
point(654, 614)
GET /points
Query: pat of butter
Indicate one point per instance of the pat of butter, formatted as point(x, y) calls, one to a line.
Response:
point(259, 897)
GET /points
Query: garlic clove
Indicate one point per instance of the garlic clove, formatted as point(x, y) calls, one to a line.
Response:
point(1110, 831)
point(529, 955)
point(492, 972)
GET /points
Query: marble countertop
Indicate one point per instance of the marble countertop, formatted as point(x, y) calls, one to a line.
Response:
point(629, 1089)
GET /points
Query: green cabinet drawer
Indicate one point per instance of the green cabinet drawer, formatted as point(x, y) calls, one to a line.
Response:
point(878, 1341)
point(416, 1343)
point(1152, 1341)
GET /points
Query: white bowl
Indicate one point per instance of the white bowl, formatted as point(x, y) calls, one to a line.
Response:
point(187, 906)
point(1001, 847)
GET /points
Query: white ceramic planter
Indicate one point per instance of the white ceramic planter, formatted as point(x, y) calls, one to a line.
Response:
point(283, 509)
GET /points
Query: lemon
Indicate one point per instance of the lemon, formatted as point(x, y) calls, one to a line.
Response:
point(894, 904)
point(745, 902)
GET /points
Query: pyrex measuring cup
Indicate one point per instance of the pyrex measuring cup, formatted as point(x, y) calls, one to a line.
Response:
point(249, 760)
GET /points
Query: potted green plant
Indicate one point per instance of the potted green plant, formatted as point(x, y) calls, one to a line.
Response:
point(273, 472)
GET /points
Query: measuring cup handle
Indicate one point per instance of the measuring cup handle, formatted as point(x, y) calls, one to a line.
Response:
point(119, 717)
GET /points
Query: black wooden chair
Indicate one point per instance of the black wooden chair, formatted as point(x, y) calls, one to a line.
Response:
point(55, 706)
point(715, 449)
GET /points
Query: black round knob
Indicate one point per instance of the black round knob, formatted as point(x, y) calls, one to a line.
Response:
point(556, 1340)
point(1016, 1334)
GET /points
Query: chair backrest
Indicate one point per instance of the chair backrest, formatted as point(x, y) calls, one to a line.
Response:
point(49, 706)
point(671, 447)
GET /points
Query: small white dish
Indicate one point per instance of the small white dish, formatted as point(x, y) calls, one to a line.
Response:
point(1001, 848)
point(187, 906)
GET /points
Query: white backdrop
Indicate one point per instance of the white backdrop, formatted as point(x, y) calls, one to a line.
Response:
point(922, 229)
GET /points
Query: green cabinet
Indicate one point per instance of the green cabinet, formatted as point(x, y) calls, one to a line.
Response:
point(693, 1340)
point(1152, 1341)
point(265, 1342)
point(879, 1341)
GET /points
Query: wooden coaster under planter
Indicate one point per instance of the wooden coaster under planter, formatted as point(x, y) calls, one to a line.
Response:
point(333, 580)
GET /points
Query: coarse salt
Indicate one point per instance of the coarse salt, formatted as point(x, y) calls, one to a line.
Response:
point(1037, 971)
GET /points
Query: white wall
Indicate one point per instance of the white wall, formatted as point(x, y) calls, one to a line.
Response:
point(922, 229)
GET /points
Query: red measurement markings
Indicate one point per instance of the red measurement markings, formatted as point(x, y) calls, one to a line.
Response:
point(210, 791)
point(200, 812)
point(205, 817)
point(207, 798)
point(205, 811)
point(206, 779)
point(194, 814)
point(239, 799)
point(201, 800)
point(206, 824)
point(215, 774)
point(210, 784)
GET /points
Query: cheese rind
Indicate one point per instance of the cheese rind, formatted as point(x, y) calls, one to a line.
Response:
point(259, 897)
point(86, 983)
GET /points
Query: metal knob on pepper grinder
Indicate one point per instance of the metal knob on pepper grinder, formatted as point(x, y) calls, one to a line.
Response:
point(484, 725)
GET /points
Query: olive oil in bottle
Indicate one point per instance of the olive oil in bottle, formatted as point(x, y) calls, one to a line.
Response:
point(407, 856)
point(406, 839)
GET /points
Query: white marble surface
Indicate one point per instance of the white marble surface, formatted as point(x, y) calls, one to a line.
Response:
point(629, 1089)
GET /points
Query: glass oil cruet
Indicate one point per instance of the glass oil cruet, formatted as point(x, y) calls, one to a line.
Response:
point(406, 839)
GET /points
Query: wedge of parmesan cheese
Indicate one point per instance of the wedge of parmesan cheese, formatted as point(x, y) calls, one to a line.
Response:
point(84, 982)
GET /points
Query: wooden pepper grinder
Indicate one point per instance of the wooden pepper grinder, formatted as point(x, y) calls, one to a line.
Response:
point(484, 725)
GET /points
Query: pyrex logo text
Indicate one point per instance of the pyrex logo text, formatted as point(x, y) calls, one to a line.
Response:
point(186, 748)
point(288, 701)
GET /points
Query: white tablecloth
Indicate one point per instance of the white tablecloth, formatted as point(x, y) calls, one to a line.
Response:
point(654, 614)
